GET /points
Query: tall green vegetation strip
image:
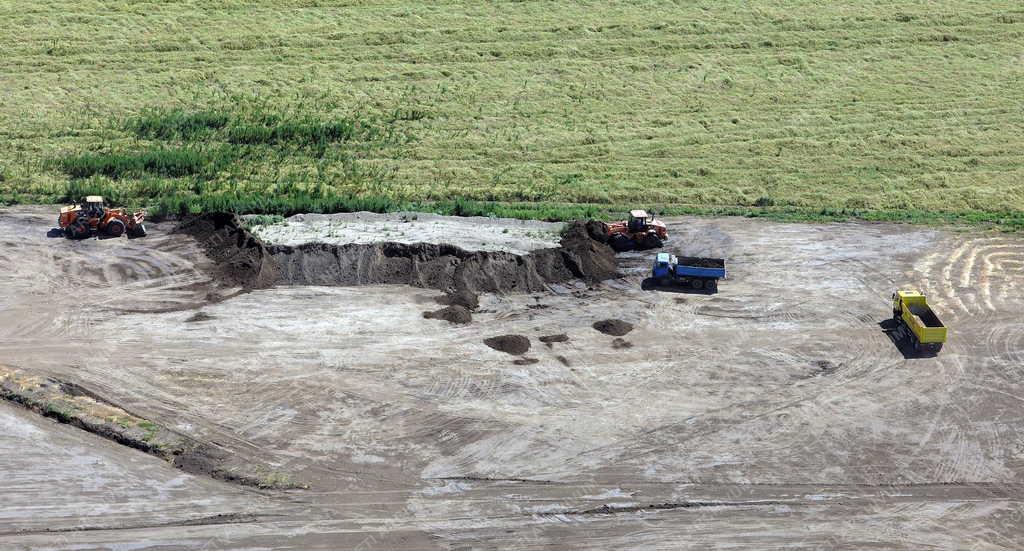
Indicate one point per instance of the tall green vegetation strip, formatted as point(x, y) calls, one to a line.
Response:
point(907, 111)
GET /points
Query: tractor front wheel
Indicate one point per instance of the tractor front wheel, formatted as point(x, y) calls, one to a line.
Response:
point(138, 230)
point(115, 228)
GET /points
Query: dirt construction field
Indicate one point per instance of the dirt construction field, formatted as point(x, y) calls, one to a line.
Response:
point(777, 412)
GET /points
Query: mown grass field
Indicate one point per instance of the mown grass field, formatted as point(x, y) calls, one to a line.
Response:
point(796, 109)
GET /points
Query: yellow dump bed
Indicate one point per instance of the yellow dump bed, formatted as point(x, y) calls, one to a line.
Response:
point(914, 311)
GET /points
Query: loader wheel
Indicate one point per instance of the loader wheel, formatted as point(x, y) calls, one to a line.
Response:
point(621, 243)
point(651, 241)
point(79, 229)
point(139, 230)
point(115, 228)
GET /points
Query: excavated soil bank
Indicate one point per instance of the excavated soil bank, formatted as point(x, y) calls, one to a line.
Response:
point(243, 260)
point(510, 344)
point(613, 327)
point(452, 314)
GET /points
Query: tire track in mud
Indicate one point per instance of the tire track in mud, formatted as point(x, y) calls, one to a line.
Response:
point(978, 276)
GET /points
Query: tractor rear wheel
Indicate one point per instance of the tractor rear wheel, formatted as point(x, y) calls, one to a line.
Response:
point(115, 228)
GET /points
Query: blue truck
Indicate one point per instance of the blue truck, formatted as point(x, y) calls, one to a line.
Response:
point(694, 272)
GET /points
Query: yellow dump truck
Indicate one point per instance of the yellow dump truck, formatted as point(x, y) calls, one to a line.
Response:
point(917, 322)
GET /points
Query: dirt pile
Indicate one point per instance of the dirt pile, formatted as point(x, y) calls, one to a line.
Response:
point(613, 327)
point(241, 259)
point(462, 297)
point(457, 314)
point(510, 344)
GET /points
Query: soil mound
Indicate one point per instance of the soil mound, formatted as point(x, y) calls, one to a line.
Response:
point(613, 327)
point(548, 339)
point(465, 298)
point(241, 259)
point(453, 314)
point(510, 344)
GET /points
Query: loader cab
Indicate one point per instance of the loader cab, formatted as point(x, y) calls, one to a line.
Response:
point(93, 205)
point(638, 220)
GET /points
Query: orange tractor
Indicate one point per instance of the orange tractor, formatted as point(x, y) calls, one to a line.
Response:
point(93, 217)
point(641, 231)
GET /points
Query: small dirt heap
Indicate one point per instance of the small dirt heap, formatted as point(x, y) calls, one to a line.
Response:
point(457, 314)
point(510, 344)
point(613, 327)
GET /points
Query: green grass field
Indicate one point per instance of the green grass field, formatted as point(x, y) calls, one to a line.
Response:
point(791, 109)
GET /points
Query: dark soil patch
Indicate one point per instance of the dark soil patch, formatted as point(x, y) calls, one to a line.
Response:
point(548, 339)
point(510, 344)
point(824, 367)
point(564, 360)
point(613, 327)
point(620, 344)
point(525, 361)
point(453, 314)
point(199, 316)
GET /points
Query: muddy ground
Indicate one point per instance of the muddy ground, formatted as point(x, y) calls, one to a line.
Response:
point(775, 413)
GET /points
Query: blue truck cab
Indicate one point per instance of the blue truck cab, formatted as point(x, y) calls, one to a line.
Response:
point(698, 273)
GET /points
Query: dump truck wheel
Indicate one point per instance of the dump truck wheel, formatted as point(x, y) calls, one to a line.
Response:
point(115, 228)
point(647, 284)
point(712, 286)
point(697, 284)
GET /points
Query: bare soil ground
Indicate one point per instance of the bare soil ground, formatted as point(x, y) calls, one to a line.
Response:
point(776, 412)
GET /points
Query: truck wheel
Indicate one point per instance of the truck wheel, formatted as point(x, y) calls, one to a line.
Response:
point(647, 284)
point(712, 286)
point(696, 284)
point(115, 228)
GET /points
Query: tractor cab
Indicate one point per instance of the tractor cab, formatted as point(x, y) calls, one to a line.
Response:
point(638, 220)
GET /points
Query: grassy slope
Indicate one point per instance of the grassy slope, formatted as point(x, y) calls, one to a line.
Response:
point(716, 104)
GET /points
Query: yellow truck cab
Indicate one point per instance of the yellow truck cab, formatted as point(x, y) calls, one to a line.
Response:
point(917, 322)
